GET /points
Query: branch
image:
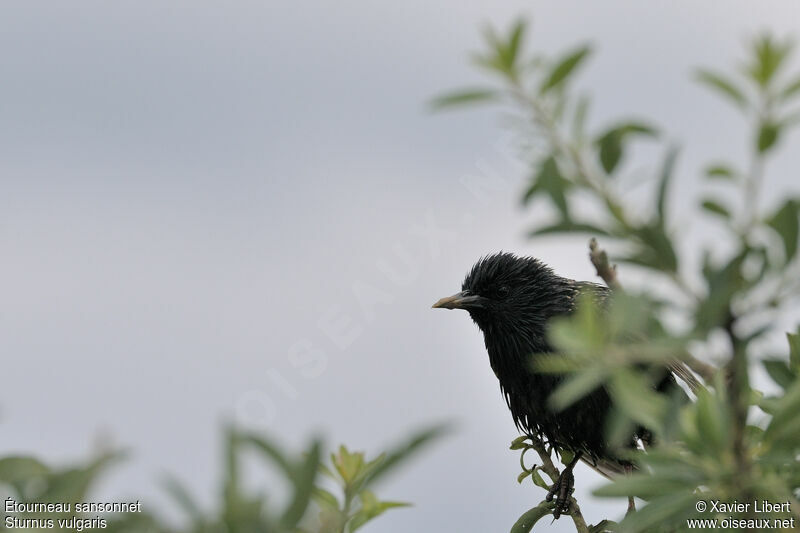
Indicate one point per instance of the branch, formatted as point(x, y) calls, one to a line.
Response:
point(738, 387)
point(550, 469)
point(605, 270)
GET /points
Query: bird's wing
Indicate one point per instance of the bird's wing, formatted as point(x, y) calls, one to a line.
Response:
point(682, 372)
point(600, 293)
point(609, 468)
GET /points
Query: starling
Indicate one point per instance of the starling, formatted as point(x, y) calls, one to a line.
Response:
point(511, 299)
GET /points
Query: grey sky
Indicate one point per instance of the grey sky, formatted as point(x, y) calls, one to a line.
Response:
point(193, 191)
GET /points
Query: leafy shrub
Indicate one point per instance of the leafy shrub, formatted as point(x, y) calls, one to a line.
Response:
point(732, 443)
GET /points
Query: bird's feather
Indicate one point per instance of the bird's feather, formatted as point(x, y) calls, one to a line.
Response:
point(512, 299)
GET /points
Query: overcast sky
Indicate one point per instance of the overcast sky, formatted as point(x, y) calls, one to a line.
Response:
point(194, 194)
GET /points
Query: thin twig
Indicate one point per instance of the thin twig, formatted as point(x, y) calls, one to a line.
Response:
point(550, 469)
point(738, 391)
point(605, 270)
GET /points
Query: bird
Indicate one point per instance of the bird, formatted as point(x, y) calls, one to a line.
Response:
point(512, 299)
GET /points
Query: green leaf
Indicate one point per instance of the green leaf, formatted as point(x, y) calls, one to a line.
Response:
point(555, 363)
point(463, 98)
point(563, 68)
point(794, 350)
point(568, 226)
point(526, 522)
point(722, 85)
point(603, 527)
point(514, 41)
point(565, 456)
point(539, 481)
point(330, 521)
point(327, 472)
point(635, 399)
point(548, 180)
point(358, 520)
point(666, 513)
point(720, 172)
point(617, 211)
point(325, 498)
point(619, 428)
point(723, 282)
point(504, 55)
point(637, 128)
point(519, 443)
point(663, 183)
point(17, 469)
point(371, 508)
point(348, 464)
point(767, 136)
point(786, 225)
point(630, 316)
point(73, 484)
point(782, 426)
point(768, 57)
point(769, 404)
point(791, 90)
point(610, 151)
point(303, 480)
point(611, 142)
point(521, 477)
point(779, 371)
point(392, 505)
point(268, 449)
point(402, 453)
point(712, 418)
point(364, 473)
point(231, 453)
point(580, 335)
point(644, 486)
point(655, 250)
point(180, 494)
point(716, 208)
point(576, 387)
point(490, 63)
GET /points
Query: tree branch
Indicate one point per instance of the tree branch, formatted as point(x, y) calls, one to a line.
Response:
point(550, 469)
point(604, 269)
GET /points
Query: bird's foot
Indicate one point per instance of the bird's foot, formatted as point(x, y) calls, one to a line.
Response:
point(563, 488)
point(562, 492)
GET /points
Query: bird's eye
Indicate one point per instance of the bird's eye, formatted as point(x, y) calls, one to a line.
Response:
point(503, 291)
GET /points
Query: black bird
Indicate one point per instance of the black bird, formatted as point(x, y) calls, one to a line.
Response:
point(511, 299)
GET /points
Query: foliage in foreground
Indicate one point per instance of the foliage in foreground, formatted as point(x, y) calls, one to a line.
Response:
point(733, 443)
point(311, 507)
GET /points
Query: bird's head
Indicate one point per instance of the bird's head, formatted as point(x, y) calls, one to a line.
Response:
point(504, 291)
